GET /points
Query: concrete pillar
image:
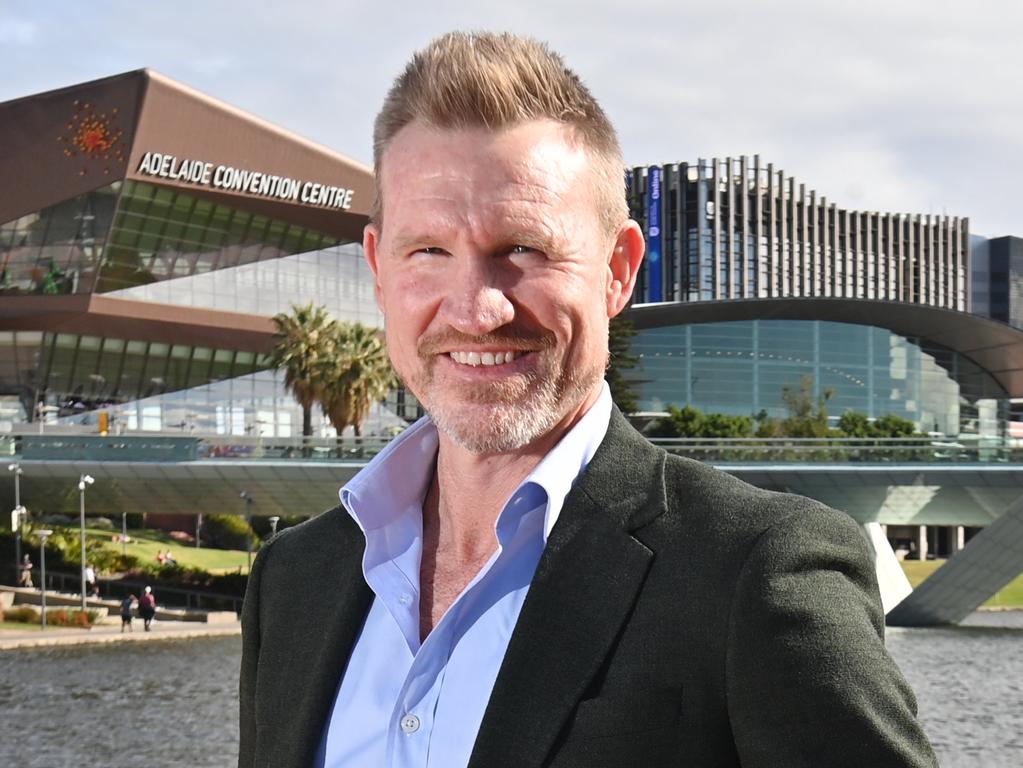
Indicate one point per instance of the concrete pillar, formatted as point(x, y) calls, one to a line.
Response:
point(891, 580)
point(957, 539)
point(921, 542)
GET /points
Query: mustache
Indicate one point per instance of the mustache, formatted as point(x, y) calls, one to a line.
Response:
point(516, 338)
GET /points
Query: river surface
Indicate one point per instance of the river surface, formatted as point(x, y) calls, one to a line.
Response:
point(173, 704)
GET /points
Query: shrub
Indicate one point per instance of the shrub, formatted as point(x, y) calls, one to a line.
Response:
point(102, 523)
point(23, 613)
point(62, 617)
point(226, 531)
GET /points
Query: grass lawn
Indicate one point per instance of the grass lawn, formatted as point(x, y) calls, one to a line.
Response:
point(28, 627)
point(1010, 597)
point(146, 543)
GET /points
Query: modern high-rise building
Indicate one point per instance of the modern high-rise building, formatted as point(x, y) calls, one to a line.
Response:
point(754, 283)
point(737, 228)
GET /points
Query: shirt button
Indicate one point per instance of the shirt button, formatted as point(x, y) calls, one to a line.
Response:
point(410, 723)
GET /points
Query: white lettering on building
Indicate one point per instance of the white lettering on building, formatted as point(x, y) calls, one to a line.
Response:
point(232, 179)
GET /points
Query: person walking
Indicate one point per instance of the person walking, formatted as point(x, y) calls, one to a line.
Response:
point(147, 608)
point(25, 572)
point(127, 605)
point(91, 588)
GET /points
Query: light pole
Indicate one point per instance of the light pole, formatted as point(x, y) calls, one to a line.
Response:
point(198, 530)
point(43, 535)
point(83, 482)
point(273, 524)
point(248, 519)
point(16, 515)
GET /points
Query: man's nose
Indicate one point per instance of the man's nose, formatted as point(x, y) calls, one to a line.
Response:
point(475, 301)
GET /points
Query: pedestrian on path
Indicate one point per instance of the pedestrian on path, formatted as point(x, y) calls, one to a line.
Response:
point(91, 587)
point(127, 605)
point(25, 572)
point(147, 608)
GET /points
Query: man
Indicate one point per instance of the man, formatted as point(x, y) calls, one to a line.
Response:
point(521, 579)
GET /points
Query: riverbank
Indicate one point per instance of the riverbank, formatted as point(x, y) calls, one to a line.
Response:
point(11, 639)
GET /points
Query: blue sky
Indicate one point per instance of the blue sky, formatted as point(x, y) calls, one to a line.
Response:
point(902, 105)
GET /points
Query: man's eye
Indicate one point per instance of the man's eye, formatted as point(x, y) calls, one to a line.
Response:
point(521, 249)
point(431, 251)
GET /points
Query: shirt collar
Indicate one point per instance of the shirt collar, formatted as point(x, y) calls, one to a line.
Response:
point(398, 477)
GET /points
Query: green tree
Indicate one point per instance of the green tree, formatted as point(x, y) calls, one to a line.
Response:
point(855, 424)
point(620, 334)
point(305, 347)
point(357, 375)
point(808, 416)
point(692, 422)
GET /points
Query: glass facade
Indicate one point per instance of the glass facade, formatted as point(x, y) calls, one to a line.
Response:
point(59, 249)
point(736, 228)
point(741, 368)
point(148, 243)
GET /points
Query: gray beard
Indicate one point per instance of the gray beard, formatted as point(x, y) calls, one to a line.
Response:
point(517, 418)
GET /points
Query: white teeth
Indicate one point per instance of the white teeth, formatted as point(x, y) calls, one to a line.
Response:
point(482, 358)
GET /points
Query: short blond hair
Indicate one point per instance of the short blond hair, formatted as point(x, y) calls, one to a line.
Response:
point(495, 81)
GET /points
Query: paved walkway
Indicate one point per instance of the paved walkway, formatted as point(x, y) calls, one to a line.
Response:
point(100, 634)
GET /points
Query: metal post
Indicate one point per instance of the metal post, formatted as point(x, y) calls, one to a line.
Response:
point(248, 519)
point(273, 524)
point(83, 481)
point(18, 517)
point(124, 533)
point(42, 575)
point(198, 530)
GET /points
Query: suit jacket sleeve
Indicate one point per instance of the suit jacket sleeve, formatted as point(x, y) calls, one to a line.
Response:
point(250, 659)
point(808, 679)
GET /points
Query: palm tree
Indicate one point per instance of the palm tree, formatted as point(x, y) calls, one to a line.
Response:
point(306, 344)
point(359, 375)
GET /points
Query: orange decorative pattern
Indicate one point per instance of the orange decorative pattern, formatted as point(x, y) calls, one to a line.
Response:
point(92, 136)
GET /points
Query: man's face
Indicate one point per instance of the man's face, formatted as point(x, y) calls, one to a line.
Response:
point(496, 278)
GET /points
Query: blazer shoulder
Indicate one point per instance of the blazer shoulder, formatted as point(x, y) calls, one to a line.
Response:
point(331, 531)
point(737, 508)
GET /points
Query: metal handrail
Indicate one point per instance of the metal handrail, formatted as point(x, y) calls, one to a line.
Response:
point(150, 446)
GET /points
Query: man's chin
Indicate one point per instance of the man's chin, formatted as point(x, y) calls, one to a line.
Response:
point(488, 428)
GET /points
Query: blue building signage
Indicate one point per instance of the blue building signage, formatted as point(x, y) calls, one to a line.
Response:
point(655, 290)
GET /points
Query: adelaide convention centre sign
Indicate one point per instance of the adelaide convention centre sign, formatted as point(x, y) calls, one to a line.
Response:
point(232, 179)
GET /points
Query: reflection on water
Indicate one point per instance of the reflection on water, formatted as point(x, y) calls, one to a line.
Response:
point(157, 704)
point(165, 705)
point(969, 686)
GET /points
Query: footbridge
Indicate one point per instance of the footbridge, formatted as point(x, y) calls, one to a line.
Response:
point(879, 482)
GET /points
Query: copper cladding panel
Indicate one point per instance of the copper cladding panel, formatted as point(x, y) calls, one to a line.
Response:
point(108, 317)
point(36, 131)
point(178, 121)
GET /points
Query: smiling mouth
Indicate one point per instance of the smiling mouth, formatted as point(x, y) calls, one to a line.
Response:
point(476, 359)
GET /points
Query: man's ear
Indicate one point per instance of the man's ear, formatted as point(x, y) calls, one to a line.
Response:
point(370, 242)
point(623, 266)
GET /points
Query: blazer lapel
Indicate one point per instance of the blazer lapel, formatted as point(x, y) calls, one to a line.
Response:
point(311, 660)
point(583, 591)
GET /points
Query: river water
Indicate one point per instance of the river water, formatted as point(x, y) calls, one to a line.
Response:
point(173, 704)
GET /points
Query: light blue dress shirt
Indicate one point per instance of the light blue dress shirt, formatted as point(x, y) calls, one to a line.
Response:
point(406, 704)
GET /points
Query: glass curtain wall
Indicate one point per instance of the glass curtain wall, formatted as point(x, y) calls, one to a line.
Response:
point(741, 368)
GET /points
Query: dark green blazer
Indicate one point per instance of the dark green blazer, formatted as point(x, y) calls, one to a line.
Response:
point(678, 617)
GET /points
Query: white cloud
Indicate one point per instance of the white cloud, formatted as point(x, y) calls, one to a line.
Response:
point(908, 106)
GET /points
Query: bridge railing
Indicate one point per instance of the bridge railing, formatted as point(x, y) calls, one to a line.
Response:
point(842, 450)
point(55, 445)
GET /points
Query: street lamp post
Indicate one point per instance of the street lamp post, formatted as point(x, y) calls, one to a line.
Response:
point(43, 535)
point(18, 511)
point(248, 519)
point(83, 482)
